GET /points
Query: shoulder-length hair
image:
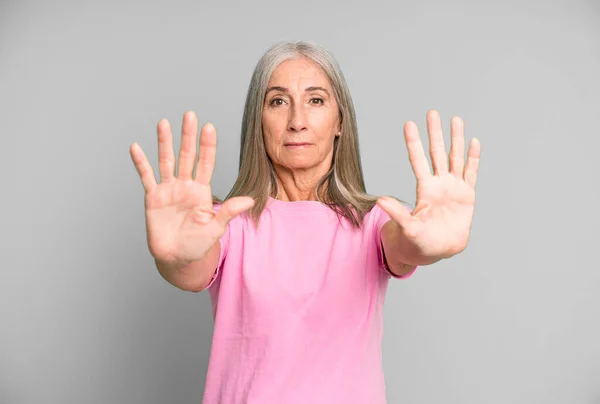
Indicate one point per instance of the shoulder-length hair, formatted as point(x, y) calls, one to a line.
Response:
point(342, 188)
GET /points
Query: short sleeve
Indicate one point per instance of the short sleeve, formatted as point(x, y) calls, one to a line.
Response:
point(381, 219)
point(224, 244)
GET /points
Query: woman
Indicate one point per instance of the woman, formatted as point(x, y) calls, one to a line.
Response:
point(297, 258)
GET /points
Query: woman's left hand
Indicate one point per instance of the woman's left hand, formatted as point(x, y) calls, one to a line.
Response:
point(440, 224)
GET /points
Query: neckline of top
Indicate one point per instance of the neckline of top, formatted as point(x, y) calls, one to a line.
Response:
point(297, 206)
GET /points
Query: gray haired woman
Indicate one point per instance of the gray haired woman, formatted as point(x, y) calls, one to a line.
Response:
point(298, 256)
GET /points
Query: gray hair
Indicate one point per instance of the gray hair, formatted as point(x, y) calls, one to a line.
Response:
point(342, 188)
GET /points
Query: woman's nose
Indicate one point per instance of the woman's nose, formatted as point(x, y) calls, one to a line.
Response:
point(297, 118)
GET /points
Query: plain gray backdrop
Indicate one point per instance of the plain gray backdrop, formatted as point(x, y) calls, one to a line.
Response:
point(85, 315)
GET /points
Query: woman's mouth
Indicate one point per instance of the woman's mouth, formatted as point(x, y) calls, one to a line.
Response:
point(297, 145)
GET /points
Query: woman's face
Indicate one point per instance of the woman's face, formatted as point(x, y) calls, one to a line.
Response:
point(300, 118)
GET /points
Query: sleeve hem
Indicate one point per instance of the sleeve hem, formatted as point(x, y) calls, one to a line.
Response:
point(382, 261)
point(219, 264)
point(393, 275)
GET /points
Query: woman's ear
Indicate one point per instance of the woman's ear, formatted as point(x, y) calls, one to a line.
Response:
point(339, 125)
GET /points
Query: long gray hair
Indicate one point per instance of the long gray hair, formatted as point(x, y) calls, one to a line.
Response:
point(342, 188)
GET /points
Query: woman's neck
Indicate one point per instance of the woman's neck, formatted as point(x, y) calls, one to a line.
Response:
point(294, 186)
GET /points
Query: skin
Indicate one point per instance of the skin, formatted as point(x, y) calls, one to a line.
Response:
point(440, 225)
point(182, 227)
point(299, 107)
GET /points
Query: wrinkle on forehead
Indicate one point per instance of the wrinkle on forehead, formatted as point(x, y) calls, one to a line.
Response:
point(299, 74)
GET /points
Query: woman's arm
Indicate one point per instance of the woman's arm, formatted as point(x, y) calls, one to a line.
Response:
point(400, 254)
point(440, 224)
point(194, 276)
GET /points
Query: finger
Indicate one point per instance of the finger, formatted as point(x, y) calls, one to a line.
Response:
point(457, 148)
point(233, 207)
point(166, 157)
point(208, 152)
point(472, 166)
point(398, 212)
point(416, 154)
point(143, 167)
point(437, 149)
point(187, 151)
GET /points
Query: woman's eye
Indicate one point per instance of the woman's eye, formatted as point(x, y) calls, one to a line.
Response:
point(317, 100)
point(276, 101)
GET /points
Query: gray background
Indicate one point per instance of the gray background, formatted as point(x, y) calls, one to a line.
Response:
point(85, 316)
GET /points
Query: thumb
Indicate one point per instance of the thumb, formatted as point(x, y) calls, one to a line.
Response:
point(398, 212)
point(233, 207)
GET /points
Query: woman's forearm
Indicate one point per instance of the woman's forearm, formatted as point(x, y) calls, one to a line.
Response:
point(191, 276)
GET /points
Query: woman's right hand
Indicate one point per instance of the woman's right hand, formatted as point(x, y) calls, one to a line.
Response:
point(180, 222)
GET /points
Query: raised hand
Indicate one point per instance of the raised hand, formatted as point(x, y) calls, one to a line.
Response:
point(180, 222)
point(440, 225)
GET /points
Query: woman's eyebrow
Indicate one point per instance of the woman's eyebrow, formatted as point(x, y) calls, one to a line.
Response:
point(277, 88)
point(318, 89)
point(285, 90)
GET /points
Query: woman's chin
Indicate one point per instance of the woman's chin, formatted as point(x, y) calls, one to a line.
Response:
point(300, 165)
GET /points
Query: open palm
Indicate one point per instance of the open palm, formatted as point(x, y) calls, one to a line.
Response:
point(180, 222)
point(440, 224)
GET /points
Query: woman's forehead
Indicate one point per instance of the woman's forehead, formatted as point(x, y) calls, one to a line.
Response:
point(296, 71)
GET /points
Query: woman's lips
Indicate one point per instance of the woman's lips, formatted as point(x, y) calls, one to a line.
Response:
point(297, 145)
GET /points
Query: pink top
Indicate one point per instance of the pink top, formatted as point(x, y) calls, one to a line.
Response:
point(297, 306)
